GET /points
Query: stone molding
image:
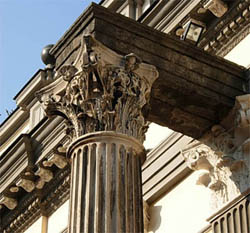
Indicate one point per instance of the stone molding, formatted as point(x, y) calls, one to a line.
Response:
point(228, 32)
point(21, 219)
point(96, 92)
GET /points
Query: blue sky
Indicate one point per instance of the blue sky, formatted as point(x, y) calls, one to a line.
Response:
point(26, 26)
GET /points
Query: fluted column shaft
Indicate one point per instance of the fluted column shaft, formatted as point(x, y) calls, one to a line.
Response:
point(106, 193)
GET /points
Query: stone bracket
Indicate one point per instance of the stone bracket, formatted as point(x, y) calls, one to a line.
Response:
point(217, 7)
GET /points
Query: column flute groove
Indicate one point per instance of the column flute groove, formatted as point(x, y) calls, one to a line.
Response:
point(110, 192)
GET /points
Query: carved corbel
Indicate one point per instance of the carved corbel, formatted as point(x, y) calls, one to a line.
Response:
point(242, 121)
point(9, 202)
point(220, 140)
point(26, 184)
point(217, 7)
point(40, 183)
point(243, 102)
point(45, 174)
point(223, 160)
point(199, 156)
point(58, 157)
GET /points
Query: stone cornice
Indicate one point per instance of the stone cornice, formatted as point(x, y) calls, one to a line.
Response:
point(23, 216)
point(28, 159)
point(27, 93)
point(227, 32)
point(17, 119)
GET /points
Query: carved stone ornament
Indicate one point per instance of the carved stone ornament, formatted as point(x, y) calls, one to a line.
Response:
point(26, 184)
point(224, 162)
point(101, 91)
point(45, 174)
point(217, 7)
point(9, 202)
point(58, 157)
point(225, 176)
point(242, 118)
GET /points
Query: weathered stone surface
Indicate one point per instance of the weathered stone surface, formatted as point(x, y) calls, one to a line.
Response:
point(198, 89)
point(106, 193)
point(103, 97)
point(101, 91)
point(217, 7)
point(225, 159)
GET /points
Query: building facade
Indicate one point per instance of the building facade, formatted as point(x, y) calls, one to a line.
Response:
point(72, 158)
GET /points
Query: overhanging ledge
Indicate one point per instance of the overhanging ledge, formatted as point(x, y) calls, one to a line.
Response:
point(194, 91)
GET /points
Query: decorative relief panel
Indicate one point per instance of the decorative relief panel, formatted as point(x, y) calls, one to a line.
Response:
point(101, 91)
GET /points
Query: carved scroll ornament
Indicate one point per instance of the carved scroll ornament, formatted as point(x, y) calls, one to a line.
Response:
point(101, 91)
point(214, 172)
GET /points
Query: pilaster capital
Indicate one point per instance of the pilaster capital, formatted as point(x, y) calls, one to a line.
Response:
point(199, 156)
point(233, 131)
point(225, 175)
point(223, 155)
point(101, 91)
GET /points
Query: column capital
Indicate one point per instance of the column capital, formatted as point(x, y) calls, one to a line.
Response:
point(101, 91)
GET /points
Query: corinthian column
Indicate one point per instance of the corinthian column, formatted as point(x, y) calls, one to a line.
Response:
point(102, 97)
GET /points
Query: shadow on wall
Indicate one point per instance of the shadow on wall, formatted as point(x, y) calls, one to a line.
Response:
point(155, 218)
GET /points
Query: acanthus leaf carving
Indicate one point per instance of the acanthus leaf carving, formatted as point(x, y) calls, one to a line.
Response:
point(101, 91)
point(214, 172)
